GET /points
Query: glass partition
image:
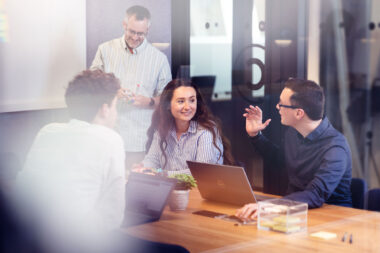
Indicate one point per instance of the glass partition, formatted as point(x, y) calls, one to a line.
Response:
point(241, 52)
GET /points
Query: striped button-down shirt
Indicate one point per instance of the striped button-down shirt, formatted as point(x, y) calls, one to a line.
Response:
point(194, 145)
point(144, 71)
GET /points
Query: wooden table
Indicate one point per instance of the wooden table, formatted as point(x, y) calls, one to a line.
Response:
point(203, 234)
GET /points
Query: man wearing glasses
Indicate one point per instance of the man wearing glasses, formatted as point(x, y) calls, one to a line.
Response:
point(316, 156)
point(143, 70)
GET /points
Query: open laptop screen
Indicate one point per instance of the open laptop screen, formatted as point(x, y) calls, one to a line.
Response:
point(147, 194)
point(222, 183)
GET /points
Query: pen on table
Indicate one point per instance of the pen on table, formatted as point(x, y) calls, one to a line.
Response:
point(344, 236)
point(350, 239)
point(245, 223)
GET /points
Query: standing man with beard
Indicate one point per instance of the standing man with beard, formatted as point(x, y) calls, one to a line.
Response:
point(143, 70)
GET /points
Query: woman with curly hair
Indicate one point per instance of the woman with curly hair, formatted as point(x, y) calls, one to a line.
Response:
point(184, 129)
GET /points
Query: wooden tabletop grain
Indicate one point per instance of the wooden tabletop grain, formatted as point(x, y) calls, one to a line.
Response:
point(203, 234)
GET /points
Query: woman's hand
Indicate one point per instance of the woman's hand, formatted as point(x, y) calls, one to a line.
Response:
point(139, 168)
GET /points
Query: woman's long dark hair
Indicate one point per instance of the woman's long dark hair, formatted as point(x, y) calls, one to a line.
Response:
point(163, 120)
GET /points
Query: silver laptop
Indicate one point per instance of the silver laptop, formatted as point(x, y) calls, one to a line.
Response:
point(146, 197)
point(223, 183)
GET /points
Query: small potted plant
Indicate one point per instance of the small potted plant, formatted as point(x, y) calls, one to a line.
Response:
point(180, 195)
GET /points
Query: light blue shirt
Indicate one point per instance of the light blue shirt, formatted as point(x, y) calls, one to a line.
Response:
point(145, 72)
point(194, 145)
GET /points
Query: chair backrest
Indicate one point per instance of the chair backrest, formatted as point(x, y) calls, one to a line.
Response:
point(358, 191)
point(373, 200)
point(205, 84)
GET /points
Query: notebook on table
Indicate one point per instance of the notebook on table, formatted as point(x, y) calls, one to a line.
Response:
point(223, 183)
point(146, 197)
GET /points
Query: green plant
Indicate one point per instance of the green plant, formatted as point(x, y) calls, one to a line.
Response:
point(184, 181)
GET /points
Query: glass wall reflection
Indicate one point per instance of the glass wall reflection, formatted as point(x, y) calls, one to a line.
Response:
point(335, 43)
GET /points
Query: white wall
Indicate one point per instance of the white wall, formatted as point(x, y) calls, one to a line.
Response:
point(46, 47)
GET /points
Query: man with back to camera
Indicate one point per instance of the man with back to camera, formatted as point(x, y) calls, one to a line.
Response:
point(74, 176)
point(316, 156)
point(143, 70)
point(73, 180)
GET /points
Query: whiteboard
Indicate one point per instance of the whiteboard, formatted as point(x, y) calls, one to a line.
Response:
point(44, 48)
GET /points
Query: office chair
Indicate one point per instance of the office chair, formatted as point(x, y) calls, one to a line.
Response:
point(205, 84)
point(358, 191)
point(373, 200)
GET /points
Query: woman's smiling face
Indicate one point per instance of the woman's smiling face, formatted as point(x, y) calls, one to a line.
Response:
point(183, 105)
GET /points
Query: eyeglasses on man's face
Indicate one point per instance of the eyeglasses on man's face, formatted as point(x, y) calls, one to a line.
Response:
point(287, 106)
point(133, 33)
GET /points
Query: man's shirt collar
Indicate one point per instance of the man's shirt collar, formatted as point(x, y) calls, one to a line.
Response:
point(319, 130)
point(78, 122)
point(136, 50)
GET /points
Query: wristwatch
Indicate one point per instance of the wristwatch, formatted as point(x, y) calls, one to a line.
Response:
point(151, 103)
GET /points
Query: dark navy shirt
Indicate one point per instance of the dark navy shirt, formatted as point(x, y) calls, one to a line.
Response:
point(319, 166)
